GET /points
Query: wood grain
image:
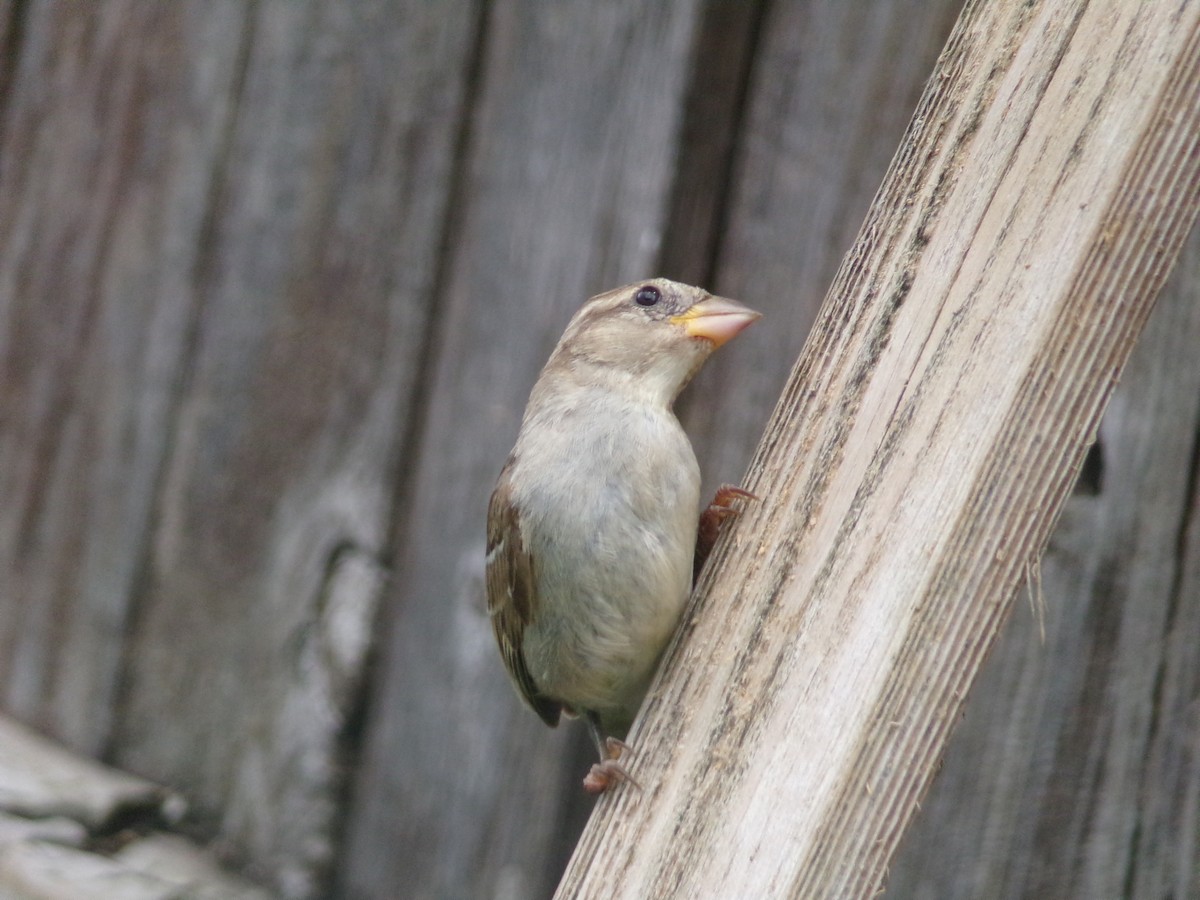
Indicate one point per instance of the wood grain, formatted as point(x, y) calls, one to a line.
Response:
point(917, 459)
point(275, 279)
point(832, 88)
point(213, 427)
point(113, 133)
point(248, 652)
point(1075, 771)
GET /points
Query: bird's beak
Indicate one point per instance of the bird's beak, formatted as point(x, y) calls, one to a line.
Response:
point(716, 319)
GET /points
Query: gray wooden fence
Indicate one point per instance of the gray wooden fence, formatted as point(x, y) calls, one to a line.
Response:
point(275, 280)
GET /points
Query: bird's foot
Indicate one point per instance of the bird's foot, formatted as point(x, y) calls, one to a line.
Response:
point(726, 494)
point(609, 770)
point(712, 518)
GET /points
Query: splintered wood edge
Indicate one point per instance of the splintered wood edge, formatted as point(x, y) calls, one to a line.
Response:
point(917, 459)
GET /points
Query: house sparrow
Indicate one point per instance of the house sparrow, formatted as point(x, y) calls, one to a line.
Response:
point(592, 528)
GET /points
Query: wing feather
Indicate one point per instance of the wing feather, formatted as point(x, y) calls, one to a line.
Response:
point(512, 598)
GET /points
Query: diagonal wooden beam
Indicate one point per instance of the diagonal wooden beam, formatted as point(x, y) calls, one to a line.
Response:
point(917, 459)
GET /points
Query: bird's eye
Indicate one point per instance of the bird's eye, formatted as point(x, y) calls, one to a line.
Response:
point(647, 296)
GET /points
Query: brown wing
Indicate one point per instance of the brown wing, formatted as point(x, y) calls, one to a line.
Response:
point(511, 596)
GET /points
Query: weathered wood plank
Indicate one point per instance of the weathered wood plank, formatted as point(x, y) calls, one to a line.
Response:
point(12, 24)
point(153, 868)
point(247, 656)
point(40, 780)
point(917, 459)
point(113, 130)
point(725, 53)
point(462, 792)
point(1075, 772)
point(834, 85)
point(124, 291)
point(40, 870)
point(67, 827)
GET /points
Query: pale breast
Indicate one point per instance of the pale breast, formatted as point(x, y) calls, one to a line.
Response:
point(609, 515)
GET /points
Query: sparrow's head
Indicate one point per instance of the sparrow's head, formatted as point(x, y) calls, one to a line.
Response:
point(652, 335)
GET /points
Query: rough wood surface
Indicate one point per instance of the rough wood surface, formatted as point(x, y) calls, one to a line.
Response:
point(917, 459)
point(1076, 770)
point(40, 780)
point(260, 589)
point(72, 829)
point(258, 379)
point(108, 173)
point(833, 87)
point(209, 364)
point(156, 868)
point(275, 278)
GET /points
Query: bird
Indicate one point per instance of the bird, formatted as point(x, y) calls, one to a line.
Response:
point(594, 535)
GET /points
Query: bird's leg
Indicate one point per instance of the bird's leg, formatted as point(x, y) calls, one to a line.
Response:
point(609, 769)
point(710, 522)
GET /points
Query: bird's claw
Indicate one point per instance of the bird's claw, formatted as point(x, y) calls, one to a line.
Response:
point(721, 502)
point(712, 518)
point(609, 771)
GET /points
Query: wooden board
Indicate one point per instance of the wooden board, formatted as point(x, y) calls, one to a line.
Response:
point(206, 481)
point(833, 86)
point(275, 279)
point(115, 124)
point(1075, 772)
point(314, 292)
